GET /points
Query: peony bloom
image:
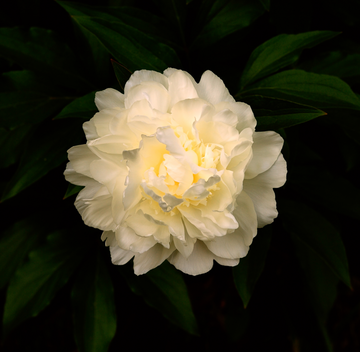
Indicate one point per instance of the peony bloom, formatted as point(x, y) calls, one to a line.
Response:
point(173, 169)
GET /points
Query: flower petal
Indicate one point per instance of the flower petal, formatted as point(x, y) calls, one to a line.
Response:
point(145, 76)
point(181, 87)
point(200, 261)
point(211, 88)
point(120, 256)
point(266, 149)
point(260, 190)
point(81, 157)
point(96, 211)
point(109, 99)
point(151, 259)
point(154, 92)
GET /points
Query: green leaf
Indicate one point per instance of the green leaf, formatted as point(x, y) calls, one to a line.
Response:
point(315, 182)
point(15, 244)
point(175, 12)
point(122, 74)
point(93, 305)
point(46, 151)
point(83, 107)
point(129, 42)
point(266, 4)
point(236, 15)
point(336, 63)
point(34, 285)
point(247, 273)
point(27, 107)
point(319, 286)
point(273, 113)
point(164, 289)
point(279, 52)
point(71, 190)
point(129, 46)
point(142, 20)
point(321, 91)
point(26, 98)
point(29, 81)
point(320, 281)
point(42, 51)
point(12, 144)
point(315, 232)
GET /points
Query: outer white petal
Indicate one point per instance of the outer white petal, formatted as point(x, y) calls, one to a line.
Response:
point(244, 113)
point(181, 87)
point(109, 238)
point(208, 228)
point(90, 130)
point(120, 256)
point(227, 262)
point(107, 173)
point(109, 99)
point(246, 217)
point(75, 178)
point(231, 246)
point(81, 157)
point(212, 89)
point(154, 92)
point(260, 190)
point(199, 262)
point(102, 121)
point(96, 211)
point(151, 259)
point(145, 76)
point(127, 239)
point(185, 247)
point(266, 149)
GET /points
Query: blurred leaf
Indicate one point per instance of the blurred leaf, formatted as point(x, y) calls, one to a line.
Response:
point(315, 183)
point(15, 244)
point(319, 286)
point(71, 190)
point(236, 15)
point(320, 91)
point(29, 81)
point(26, 98)
point(93, 307)
point(279, 52)
point(273, 113)
point(94, 57)
point(35, 284)
point(164, 289)
point(336, 63)
point(42, 51)
point(137, 18)
point(129, 45)
point(46, 151)
point(83, 107)
point(12, 144)
point(266, 4)
point(318, 235)
point(175, 12)
point(122, 74)
point(27, 107)
point(247, 273)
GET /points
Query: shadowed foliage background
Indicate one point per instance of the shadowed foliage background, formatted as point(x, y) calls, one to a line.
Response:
point(297, 63)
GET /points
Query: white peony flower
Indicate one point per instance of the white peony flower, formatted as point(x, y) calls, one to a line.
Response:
point(173, 169)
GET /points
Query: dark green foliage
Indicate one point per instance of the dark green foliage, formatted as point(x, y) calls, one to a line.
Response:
point(297, 64)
